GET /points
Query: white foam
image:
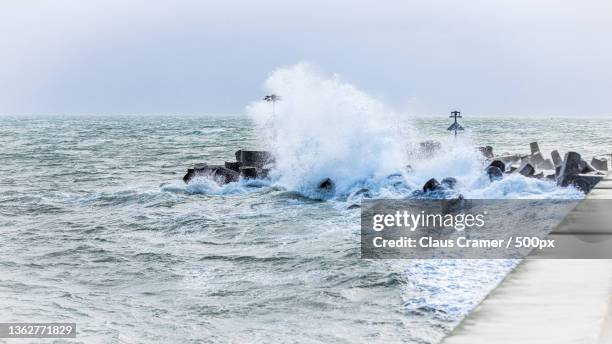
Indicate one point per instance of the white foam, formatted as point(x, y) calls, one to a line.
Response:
point(324, 127)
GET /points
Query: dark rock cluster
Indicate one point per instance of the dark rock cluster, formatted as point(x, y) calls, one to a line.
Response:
point(248, 165)
point(572, 169)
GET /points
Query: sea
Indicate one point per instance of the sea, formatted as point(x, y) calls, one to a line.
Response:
point(98, 228)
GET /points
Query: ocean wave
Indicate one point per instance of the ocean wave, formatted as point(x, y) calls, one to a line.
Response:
point(324, 128)
point(208, 186)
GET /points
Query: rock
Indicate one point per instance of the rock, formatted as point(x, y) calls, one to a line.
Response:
point(218, 173)
point(487, 151)
point(536, 159)
point(499, 164)
point(263, 173)
point(526, 170)
point(251, 158)
point(233, 165)
point(224, 175)
point(431, 185)
point(535, 148)
point(494, 173)
point(556, 158)
point(189, 175)
point(600, 164)
point(449, 182)
point(547, 164)
point(354, 206)
point(429, 147)
point(509, 159)
point(551, 176)
point(585, 167)
point(585, 182)
point(248, 172)
point(512, 168)
point(571, 167)
point(538, 175)
point(326, 184)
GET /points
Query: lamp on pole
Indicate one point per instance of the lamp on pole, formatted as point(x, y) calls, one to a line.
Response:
point(273, 98)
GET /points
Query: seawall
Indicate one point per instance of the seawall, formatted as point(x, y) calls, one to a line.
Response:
point(549, 300)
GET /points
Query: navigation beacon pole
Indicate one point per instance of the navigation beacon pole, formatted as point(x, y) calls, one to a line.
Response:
point(273, 98)
point(455, 126)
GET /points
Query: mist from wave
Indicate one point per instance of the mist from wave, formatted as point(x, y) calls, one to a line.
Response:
point(324, 127)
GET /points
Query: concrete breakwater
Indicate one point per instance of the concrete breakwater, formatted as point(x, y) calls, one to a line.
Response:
point(572, 169)
point(249, 164)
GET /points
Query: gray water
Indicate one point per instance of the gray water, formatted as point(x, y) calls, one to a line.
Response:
point(98, 229)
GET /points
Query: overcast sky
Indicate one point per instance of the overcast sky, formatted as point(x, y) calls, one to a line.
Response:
point(489, 57)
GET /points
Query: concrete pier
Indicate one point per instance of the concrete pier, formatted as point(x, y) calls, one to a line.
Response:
point(548, 300)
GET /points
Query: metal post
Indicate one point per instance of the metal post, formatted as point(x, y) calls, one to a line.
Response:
point(455, 126)
point(273, 98)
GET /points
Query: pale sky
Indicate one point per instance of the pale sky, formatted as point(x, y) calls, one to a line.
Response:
point(485, 57)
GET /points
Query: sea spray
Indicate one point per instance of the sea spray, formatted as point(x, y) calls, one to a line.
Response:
point(326, 128)
point(456, 158)
point(323, 127)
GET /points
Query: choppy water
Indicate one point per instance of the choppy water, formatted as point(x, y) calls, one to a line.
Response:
point(98, 228)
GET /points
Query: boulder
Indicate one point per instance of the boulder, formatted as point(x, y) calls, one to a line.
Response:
point(487, 151)
point(526, 170)
point(539, 175)
point(449, 182)
point(252, 158)
point(585, 167)
point(585, 182)
point(218, 173)
point(600, 164)
point(263, 172)
point(224, 175)
point(189, 175)
point(535, 148)
point(499, 164)
point(494, 173)
point(326, 184)
point(248, 172)
point(431, 185)
point(556, 158)
point(233, 165)
point(571, 167)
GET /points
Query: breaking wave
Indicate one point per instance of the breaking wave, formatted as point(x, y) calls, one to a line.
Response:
point(324, 127)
